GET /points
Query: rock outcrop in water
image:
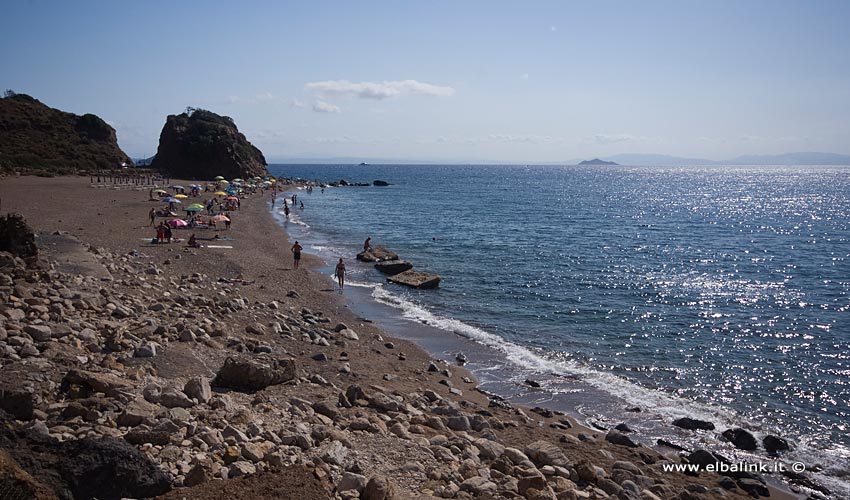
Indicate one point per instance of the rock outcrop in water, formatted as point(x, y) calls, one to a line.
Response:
point(35, 138)
point(200, 144)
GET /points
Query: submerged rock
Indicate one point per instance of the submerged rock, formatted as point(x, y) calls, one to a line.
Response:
point(377, 254)
point(393, 266)
point(416, 279)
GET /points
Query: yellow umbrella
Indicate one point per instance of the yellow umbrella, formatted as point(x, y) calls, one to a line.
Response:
point(181, 196)
point(223, 182)
point(220, 193)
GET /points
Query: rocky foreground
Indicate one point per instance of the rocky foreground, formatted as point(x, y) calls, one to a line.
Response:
point(149, 376)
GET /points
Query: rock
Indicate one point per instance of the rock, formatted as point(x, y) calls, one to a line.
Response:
point(380, 183)
point(459, 423)
point(200, 144)
point(352, 481)
point(617, 437)
point(233, 432)
point(172, 398)
point(39, 333)
point(742, 439)
point(379, 488)
point(546, 453)
point(196, 476)
point(85, 383)
point(753, 487)
point(254, 374)
point(198, 388)
point(335, 453)
point(15, 400)
point(415, 279)
point(532, 383)
point(16, 237)
point(774, 444)
point(377, 254)
point(704, 458)
point(253, 452)
point(487, 449)
point(693, 424)
point(241, 468)
point(327, 409)
point(145, 351)
point(393, 266)
point(478, 485)
point(136, 413)
point(139, 437)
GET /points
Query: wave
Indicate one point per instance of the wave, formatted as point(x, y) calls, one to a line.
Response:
point(834, 460)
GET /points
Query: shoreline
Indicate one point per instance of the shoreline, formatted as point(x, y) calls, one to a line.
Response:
point(255, 257)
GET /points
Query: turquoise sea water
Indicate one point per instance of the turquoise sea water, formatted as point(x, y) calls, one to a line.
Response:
point(717, 292)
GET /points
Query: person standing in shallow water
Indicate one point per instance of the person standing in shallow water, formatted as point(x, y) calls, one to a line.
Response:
point(340, 274)
point(296, 255)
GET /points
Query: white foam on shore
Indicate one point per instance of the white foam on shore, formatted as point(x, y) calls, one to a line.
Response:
point(834, 460)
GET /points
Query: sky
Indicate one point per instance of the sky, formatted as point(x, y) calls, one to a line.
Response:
point(529, 81)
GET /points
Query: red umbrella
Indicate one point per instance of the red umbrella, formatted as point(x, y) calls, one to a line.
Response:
point(177, 223)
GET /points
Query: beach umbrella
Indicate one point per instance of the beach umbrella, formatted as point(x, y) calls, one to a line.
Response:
point(180, 196)
point(237, 180)
point(220, 218)
point(196, 205)
point(177, 223)
point(160, 191)
point(232, 198)
point(193, 209)
point(196, 186)
point(177, 187)
point(223, 182)
point(219, 178)
point(171, 200)
point(220, 193)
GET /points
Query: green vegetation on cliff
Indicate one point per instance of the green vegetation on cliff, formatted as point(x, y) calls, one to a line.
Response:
point(200, 144)
point(35, 138)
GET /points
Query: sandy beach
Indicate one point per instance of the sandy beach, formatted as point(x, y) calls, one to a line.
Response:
point(367, 415)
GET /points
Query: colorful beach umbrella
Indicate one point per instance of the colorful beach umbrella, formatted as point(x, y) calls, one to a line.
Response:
point(220, 193)
point(193, 209)
point(180, 196)
point(160, 191)
point(220, 218)
point(196, 205)
point(219, 178)
point(171, 200)
point(177, 187)
point(177, 223)
point(232, 198)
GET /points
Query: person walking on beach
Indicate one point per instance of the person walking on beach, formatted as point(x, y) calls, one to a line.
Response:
point(152, 215)
point(296, 255)
point(286, 211)
point(302, 205)
point(340, 273)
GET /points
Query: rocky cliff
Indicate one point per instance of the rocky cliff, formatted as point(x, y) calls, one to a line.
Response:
point(200, 144)
point(37, 138)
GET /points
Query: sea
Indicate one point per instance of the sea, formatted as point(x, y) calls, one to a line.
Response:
point(632, 295)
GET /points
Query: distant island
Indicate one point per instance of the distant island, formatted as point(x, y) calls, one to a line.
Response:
point(597, 161)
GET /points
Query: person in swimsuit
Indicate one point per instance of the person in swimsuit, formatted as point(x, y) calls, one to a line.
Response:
point(367, 245)
point(296, 255)
point(152, 215)
point(340, 274)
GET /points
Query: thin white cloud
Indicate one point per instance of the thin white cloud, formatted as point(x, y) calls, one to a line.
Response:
point(553, 28)
point(325, 107)
point(297, 103)
point(524, 76)
point(265, 97)
point(379, 90)
point(612, 138)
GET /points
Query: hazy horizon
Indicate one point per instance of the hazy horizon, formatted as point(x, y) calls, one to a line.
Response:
point(447, 81)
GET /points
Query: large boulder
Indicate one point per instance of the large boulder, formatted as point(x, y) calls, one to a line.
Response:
point(200, 144)
point(693, 424)
point(416, 279)
point(741, 438)
point(254, 374)
point(393, 266)
point(377, 254)
point(17, 238)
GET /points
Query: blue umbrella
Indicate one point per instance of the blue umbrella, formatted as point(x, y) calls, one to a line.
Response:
point(171, 200)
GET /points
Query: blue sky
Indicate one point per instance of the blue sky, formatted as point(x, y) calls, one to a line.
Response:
point(455, 80)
